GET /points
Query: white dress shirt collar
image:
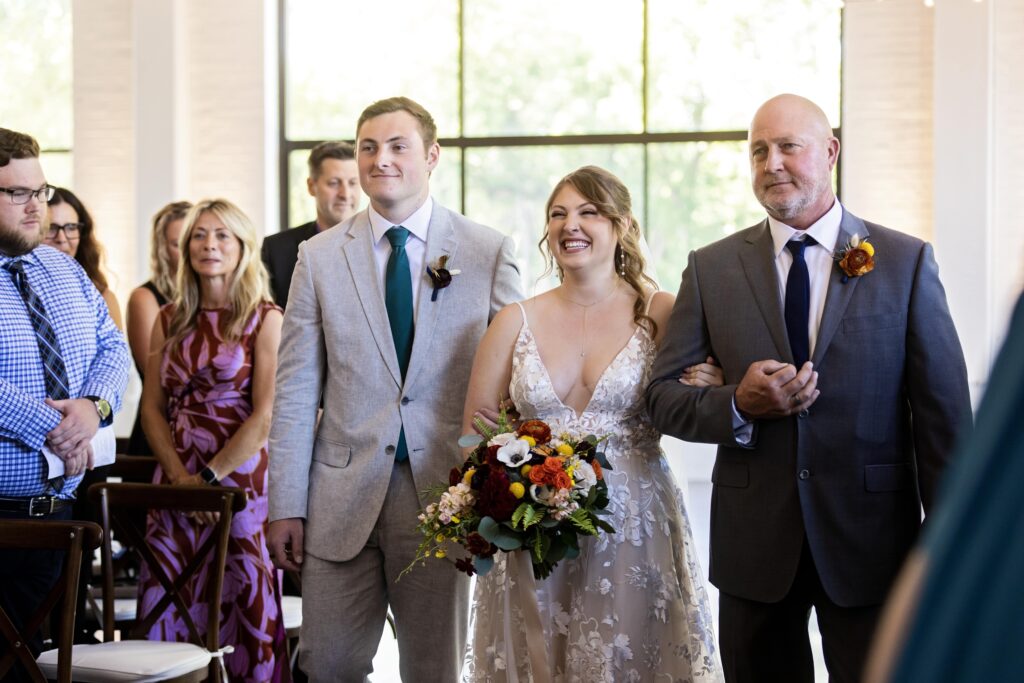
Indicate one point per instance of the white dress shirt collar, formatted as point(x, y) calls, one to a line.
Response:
point(417, 223)
point(825, 230)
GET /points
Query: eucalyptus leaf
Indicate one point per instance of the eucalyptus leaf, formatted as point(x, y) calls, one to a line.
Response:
point(469, 440)
point(483, 565)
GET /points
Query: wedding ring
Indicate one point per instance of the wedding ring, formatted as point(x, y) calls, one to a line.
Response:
point(795, 399)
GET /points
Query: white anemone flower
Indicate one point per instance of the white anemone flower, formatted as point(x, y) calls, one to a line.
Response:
point(585, 476)
point(514, 453)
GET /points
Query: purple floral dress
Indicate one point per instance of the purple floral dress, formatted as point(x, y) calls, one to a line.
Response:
point(208, 384)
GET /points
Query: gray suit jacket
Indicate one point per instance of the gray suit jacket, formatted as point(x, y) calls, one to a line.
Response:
point(852, 473)
point(336, 340)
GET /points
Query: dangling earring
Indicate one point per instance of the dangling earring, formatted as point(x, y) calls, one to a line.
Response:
point(622, 262)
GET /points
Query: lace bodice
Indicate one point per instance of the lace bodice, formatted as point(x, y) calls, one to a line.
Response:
point(616, 407)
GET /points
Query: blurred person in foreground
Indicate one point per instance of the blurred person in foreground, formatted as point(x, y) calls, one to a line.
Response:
point(206, 412)
point(72, 231)
point(146, 300)
point(956, 613)
point(845, 389)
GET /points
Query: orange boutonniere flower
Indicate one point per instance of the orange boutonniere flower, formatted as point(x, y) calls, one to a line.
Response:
point(856, 258)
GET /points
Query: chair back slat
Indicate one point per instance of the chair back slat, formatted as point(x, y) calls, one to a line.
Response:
point(72, 537)
point(117, 502)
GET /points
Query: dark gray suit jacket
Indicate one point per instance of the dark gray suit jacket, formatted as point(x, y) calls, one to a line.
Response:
point(279, 253)
point(852, 473)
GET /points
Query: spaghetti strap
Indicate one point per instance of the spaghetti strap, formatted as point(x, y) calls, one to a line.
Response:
point(522, 310)
point(647, 305)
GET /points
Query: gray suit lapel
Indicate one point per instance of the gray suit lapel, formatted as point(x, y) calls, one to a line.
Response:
point(839, 293)
point(362, 263)
point(759, 266)
point(440, 241)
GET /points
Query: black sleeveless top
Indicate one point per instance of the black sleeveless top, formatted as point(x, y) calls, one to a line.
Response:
point(137, 444)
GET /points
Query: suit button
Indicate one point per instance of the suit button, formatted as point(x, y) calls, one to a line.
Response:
point(406, 400)
point(804, 413)
point(804, 474)
point(390, 450)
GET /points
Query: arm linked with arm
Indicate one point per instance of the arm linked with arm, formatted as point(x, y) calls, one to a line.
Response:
point(700, 414)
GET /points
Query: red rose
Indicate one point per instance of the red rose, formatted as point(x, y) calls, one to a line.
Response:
point(479, 546)
point(537, 429)
point(465, 565)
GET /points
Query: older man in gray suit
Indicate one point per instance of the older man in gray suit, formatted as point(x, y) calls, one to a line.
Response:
point(390, 349)
point(844, 395)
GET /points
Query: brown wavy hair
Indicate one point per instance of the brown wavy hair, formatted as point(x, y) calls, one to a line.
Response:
point(90, 253)
point(612, 200)
point(249, 285)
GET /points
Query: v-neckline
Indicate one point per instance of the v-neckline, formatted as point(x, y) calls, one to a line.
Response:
point(600, 378)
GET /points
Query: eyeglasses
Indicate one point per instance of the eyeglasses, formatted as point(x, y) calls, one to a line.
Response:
point(71, 230)
point(21, 195)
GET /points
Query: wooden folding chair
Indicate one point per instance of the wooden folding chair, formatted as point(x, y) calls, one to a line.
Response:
point(133, 659)
point(74, 538)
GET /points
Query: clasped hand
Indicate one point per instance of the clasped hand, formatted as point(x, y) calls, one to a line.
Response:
point(773, 389)
point(71, 440)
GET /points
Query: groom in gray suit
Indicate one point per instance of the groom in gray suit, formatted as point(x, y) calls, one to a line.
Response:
point(844, 395)
point(390, 349)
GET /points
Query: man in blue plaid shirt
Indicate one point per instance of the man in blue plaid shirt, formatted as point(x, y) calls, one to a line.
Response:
point(63, 370)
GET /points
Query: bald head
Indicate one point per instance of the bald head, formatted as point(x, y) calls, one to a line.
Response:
point(792, 154)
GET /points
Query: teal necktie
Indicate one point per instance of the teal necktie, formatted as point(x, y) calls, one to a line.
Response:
point(398, 300)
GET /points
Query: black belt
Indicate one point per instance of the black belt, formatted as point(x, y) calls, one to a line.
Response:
point(37, 506)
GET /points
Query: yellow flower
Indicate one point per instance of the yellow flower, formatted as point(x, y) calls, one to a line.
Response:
point(439, 538)
point(440, 554)
point(528, 439)
point(866, 246)
point(525, 469)
point(517, 489)
point(564, 449)
point(455, 519)
point(468, 476)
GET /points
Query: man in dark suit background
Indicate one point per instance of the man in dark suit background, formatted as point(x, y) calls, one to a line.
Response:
point(334, 182)
point(844, 396)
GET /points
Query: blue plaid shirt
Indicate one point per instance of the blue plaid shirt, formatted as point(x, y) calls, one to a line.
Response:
point(94, 352)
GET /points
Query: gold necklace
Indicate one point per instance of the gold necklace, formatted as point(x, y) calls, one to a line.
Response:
point(586, 307)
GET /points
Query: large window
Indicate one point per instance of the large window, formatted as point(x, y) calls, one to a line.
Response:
point(36, 77)
point(660, 92)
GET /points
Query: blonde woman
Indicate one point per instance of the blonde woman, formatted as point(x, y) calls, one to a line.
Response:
point(146, 300)
point(632, 606)
point(206, 413)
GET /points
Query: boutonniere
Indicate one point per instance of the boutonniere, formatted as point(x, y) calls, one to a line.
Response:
point(440, 276)
point(856, 258)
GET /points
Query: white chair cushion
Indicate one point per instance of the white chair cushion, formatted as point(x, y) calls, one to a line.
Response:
point(141, 661)
point(291, 610)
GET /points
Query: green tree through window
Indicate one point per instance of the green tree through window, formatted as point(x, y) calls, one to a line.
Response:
point(660, 92)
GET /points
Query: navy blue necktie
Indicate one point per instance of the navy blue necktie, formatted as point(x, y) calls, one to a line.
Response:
point(55, 374)
point(398, 300)
point(798, 301)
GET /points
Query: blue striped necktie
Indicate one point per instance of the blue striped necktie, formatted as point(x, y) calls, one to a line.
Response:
point(54, 372)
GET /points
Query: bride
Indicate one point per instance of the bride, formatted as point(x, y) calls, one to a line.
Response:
point(632, 606)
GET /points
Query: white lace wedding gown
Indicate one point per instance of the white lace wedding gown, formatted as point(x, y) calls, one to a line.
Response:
point(632, 607)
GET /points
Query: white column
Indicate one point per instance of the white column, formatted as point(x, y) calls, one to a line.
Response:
point(963, 173)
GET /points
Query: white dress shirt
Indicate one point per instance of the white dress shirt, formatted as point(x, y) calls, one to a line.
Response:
point(819, 262)
point(819, 268)
point(415, 248)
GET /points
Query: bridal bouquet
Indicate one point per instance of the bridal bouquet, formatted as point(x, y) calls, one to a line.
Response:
point(520, 488)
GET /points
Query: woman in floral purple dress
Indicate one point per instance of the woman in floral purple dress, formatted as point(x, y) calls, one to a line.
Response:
point(214, 350)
